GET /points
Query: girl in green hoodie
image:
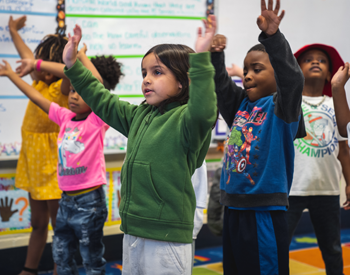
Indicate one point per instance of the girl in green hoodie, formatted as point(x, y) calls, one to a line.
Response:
point(168, 138)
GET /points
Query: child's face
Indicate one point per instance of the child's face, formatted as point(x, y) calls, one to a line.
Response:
point(159, 82)
point(77, 104)
point(315, 65)
point(259, 79)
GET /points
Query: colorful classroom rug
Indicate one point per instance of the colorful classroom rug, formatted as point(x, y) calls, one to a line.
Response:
point(305, 258)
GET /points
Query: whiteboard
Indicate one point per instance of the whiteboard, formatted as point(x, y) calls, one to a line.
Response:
point(124, 29)
point(41, 20)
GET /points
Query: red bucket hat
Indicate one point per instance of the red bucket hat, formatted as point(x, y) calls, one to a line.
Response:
point(335, 60)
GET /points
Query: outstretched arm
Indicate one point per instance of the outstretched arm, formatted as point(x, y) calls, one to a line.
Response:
point(22, 49)
point(28, 66)
point(29, 91)
point(107, 106)
point(87, 63)
point(341, 107)
point(229, 95)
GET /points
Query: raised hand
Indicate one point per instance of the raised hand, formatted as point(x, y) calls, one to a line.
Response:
point(269, 21)
point(26, 67)
point(70, 50)
point(19, 23)
point(235, 70)
point(5, 69)
point(5, 209)
point(203, 43)
point(218, 44)
point(82, 51)
point(341, 76)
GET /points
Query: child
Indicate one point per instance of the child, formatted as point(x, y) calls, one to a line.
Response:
point(200, 186)
point(320, 156)
point(168, 138)
point(342, 112)
point(264, 118)
point(36, 168)
point(81, 173)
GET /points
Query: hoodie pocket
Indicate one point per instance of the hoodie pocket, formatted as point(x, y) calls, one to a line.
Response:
point(144, 199)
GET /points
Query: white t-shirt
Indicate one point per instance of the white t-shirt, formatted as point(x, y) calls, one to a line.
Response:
point(317, 170)
point(200, 186)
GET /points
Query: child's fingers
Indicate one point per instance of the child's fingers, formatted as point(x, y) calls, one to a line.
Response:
point(270, 5)
point(263, 5)
point(277, 7)
point(199, 32)
point(282, 15)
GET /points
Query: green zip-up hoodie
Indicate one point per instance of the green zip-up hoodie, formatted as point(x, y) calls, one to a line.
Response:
point(163, 151)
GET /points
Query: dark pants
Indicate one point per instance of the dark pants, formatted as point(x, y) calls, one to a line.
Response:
point(80, 221)
point(255, 242)
point(325, 217)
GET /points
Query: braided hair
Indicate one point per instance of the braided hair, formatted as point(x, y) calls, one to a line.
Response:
point(51, 48)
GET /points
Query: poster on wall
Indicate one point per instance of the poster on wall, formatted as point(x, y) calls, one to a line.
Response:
point(14, 207)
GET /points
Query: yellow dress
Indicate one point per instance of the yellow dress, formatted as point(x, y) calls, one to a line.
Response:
point(37, 163)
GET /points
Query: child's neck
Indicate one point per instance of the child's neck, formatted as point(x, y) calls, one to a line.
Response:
point(313, 88)
point(82, 116)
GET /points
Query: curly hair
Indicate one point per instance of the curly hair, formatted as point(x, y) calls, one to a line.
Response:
point(109, 69)
point(51, 48)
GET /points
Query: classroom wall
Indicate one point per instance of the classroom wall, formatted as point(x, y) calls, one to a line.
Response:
point(305, 22)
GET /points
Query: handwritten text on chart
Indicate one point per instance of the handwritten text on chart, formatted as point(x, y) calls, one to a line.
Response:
point(40, 6)
point(130, 37)
point(142, 7)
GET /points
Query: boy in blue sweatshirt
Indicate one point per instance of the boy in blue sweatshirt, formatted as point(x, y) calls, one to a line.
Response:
point(264, 119)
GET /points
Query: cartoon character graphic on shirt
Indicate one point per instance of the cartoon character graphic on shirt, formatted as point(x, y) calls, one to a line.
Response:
point(71, 144)
point(249, 137)
point(317, 130)
point(235, 161)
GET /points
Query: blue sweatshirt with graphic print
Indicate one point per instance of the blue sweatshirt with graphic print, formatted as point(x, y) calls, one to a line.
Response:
point(259, 153)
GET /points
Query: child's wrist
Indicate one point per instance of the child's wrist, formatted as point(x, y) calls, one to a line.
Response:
point(37, 64)
point(70, 63)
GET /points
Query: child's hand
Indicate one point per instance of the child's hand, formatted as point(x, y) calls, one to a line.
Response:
point(235, 70)
point(70, 50)
point(218, 43)
point(19, 23)
point(347, 202)
point(5, 69)
point(203, 43)
point(82, 51)
point(269, 21)
point(341, 76)
point(26, 67)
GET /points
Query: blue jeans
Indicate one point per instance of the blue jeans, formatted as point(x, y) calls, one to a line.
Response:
point(325, 217)
point(80, 219)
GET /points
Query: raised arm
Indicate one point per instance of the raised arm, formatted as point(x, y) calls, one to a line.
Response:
point(341, 107)
point(35, 96)
point(288, 75)
point(23, 50)
point(107, 106)
point(200, 115)
point(88, 64)
point(229, 95)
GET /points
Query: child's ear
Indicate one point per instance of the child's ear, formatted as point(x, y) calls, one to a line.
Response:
point(329, 76)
